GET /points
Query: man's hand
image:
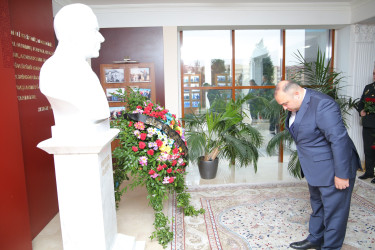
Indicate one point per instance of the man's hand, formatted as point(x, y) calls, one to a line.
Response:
point(362, 113)
point(341, 183)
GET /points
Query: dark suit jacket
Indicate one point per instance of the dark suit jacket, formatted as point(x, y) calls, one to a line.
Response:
point(369, 91)
point(324, 147)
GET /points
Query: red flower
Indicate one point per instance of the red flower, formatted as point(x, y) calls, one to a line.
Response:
point(175, 151)
point(373, 147)
point(151, 172)
point(142, 145)
point(150, 152)
point(130, 123)
point(159, 168)
point(169, 170)
point(174, 162)
point(174, 116)
point(183, 164)
point(135, 149)
point(159, 143)
point(164, 165)
point(139, 107)
point(171, 180)
point(143, 136)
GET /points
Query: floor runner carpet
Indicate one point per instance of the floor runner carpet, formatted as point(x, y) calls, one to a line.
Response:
point(264, 216)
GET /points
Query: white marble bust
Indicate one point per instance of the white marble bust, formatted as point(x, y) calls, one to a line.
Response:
point(67, 80)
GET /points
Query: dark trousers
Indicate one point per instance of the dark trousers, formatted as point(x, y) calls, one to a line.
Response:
point(330, 212)
point(369, 140)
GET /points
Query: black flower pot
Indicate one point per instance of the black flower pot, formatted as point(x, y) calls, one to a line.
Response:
point(207, 169)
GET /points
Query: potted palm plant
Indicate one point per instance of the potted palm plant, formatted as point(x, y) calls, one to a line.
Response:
point(318, 75)
point(221, 133)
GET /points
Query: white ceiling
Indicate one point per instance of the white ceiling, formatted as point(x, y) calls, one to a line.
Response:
point(112, 13)
point(119, 2)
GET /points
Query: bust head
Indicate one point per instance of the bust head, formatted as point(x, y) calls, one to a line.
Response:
point(76, 26)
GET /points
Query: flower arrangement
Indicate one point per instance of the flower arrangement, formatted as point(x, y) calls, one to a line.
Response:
point(370, 105)
point(153, 151)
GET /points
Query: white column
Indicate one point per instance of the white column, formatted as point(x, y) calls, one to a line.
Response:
point(358, 60)
point(172, 81)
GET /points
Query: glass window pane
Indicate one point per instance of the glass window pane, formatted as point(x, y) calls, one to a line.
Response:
point(306, 43)
point(207, 53)
point(257, 57)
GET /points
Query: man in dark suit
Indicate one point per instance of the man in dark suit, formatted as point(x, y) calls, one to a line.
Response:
point(328, 159)
point(368, 132)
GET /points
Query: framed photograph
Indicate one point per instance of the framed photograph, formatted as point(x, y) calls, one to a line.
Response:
point(140, 75)
point(186, 96)
point(195, 104)
point(194, 85)
point(186, 78)
point(187, 104)
point(114, 75)
point(143, 91)
point(110, 94)
point(195, 96)
point(221, 84)
point(116, 112)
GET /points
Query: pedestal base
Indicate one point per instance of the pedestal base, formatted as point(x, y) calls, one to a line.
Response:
point(85, 191)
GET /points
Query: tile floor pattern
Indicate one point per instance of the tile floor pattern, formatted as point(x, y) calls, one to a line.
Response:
point(135, 217)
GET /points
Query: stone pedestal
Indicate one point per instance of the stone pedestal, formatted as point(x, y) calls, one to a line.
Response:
point(85, 190)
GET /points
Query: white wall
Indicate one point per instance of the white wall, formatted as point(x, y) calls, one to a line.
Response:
point(355, 57)
point(172, 82)
point(238, 14)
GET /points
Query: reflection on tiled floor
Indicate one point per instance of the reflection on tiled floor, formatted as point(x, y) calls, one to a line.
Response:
point(135, 217)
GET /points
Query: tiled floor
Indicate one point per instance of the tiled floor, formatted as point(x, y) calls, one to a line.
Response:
point(135, 217)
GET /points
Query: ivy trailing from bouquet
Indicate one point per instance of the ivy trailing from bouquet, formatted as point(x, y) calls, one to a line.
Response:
point(153, 152)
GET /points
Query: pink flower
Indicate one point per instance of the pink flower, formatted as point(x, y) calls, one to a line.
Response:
point(154, 175)
point(171, 180)
point(174, 162)
point(143, 160)
point(135, 149)
point(139, 125)
point(169, 170)
point(150, 152)
point(159, 168)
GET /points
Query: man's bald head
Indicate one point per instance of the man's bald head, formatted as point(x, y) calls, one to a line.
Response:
point(289, 95)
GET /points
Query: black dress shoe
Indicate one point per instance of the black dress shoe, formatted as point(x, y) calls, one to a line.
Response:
point(366, 176)
point(305, 244)
point(373, 181)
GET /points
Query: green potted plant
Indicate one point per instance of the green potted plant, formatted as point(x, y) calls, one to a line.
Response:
point(221, 134)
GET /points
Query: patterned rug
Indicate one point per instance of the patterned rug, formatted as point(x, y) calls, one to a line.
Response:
point(265, 216)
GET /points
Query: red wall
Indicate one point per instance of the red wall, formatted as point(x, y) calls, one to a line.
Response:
point(27, 180)
point(14, 214)
point(144, 44)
